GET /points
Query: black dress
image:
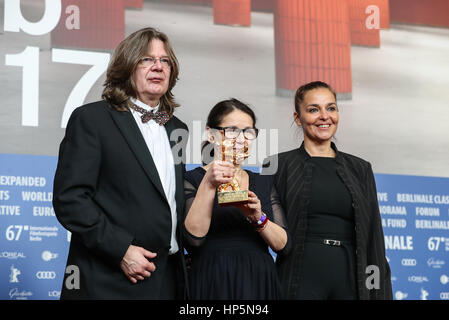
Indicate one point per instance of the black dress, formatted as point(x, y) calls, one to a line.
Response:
point(233, 261)
point(294, 180)
point(328, 270)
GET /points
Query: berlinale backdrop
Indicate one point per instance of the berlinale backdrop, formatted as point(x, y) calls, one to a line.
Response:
point(387, 60)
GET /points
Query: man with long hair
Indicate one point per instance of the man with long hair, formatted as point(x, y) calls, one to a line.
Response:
point(118, 187)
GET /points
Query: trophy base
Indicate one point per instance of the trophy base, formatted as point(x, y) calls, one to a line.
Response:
point(232, 197)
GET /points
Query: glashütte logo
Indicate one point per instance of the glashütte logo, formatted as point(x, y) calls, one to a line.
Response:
point(399, 295)
point(12, 255)
point(23, 295)
point(444, 279)
point(46, 275)
point(13, 276)
point(418, 279)
point(435, 263)
point(47, 255)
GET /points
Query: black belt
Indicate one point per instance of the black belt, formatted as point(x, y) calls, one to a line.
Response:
point(347, 246)
point(329, 242)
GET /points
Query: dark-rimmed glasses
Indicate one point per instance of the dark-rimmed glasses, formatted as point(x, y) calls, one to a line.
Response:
point(234, 132)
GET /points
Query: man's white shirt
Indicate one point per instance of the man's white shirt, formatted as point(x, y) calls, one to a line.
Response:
point(158, 144)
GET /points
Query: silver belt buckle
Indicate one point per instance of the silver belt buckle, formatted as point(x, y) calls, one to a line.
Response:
point(330, 242)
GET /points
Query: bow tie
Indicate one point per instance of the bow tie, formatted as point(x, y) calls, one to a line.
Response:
point(160, 117)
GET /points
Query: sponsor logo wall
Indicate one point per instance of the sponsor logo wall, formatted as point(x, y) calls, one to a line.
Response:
point(34, 246)
point(415, 220)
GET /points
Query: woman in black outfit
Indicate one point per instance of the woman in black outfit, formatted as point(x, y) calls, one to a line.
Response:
point(229, 245)
point(330, 201)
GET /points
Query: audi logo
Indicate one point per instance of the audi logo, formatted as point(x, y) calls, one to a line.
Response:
point(408, 262)
point(48, 275)
point(444, 295)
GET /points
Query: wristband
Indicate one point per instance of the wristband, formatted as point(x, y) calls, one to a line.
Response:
point(260, 224)
point(260, 229)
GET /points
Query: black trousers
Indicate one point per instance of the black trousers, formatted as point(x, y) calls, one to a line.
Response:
point(328, 272)
point(169, 289)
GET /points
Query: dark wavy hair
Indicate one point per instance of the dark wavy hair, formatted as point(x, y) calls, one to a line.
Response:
point(119, 85)
point(215, 117)
point(302, 90)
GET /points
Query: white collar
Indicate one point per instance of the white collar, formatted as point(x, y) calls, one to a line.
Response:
point(144, 105)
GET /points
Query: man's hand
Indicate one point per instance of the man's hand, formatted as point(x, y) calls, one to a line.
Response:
point(135, 264)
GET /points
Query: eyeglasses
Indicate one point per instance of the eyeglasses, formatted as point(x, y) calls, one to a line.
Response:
point(150, 61)
point(233, 132)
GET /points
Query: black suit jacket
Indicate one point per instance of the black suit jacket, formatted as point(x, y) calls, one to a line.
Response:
point(107, 192)
point(293, 180)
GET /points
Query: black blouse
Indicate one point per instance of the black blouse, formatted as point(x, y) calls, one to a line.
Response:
point(230, 221)
point(331, 214)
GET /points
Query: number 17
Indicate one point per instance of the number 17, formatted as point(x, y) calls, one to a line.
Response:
point(29, 61)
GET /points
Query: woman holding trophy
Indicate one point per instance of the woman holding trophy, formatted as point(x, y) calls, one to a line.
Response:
point(232, 215)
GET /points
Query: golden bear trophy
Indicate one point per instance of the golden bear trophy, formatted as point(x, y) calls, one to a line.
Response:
point(230, 193)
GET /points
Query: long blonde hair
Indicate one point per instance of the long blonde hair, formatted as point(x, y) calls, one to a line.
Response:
point(119, 85)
